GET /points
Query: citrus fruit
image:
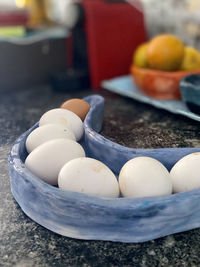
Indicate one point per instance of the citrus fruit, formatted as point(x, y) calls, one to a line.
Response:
point(191, 59)
point(140, 56)
point(165, 52)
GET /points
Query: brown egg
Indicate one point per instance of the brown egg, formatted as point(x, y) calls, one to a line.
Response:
point(79, 106)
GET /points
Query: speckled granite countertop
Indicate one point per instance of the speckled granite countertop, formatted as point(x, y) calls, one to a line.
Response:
point(24, 243)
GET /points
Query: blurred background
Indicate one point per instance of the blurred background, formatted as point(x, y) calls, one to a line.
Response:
point(180, 17)
point(77, 44)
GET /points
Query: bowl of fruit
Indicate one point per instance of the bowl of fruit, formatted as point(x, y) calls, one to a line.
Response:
point(160, 64)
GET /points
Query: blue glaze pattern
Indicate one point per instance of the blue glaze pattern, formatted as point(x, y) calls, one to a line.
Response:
point(82, 216)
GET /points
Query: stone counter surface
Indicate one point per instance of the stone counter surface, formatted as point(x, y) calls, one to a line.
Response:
point(24, 243)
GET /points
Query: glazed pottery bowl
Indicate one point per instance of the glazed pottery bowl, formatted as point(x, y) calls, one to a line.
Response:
point(82, 216)
point(159, 84)
point(190, 92)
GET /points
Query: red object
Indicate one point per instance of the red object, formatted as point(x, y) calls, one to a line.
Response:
point(13, 18)
point(113, 31)
point(159, 84)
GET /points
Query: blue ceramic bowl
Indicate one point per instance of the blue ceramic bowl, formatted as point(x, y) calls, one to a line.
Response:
point(86, 217)
point(190, 92)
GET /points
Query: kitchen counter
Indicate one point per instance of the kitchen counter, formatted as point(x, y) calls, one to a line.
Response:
point(24, 243)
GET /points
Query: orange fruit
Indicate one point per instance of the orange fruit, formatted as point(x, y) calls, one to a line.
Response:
point(191, 59)
point(165, 52)
point(140, 56)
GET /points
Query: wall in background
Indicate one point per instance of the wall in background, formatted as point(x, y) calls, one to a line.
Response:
point(180, 17)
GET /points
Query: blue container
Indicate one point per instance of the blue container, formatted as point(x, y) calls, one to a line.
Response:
point(82, 216)
point(190, 92)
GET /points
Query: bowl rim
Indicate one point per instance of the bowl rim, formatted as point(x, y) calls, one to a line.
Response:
point(97, 99)
point(163, 72)
point(100, 138)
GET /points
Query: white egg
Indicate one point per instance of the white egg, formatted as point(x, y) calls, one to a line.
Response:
point(185, 174)
point(47, 159)
point(46, 133)
point(65, 118)
point(144, 176)
point(89, 176)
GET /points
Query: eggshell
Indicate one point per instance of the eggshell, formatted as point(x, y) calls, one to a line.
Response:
point(46, 133)
point(89, 176)
point(185, 174)
point(65, 118)
point(144, 176)
point(79, 106)
point(47, 159)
